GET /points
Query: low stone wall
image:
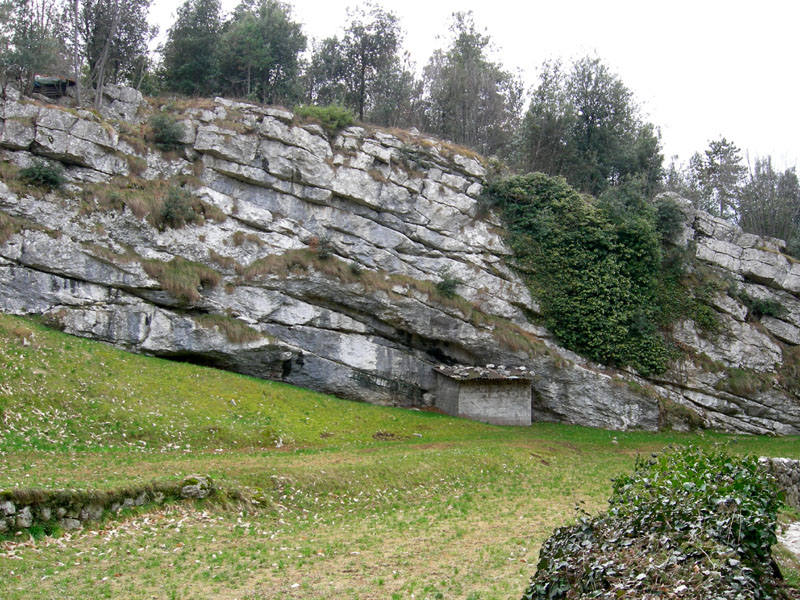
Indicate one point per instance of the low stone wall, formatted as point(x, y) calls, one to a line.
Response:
point(71, 509)
point(787, 472)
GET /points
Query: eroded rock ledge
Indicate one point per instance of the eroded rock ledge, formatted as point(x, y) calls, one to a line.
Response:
point(317, 260)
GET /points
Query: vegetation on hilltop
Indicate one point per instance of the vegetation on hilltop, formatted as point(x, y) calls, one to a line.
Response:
point(581, 122)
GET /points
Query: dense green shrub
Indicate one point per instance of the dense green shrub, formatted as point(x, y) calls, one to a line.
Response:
point(333, 116)
point(166, 132)
point(689, 523)
point(609, 283)
point(43, 174)
point(178, 209)
point(669, 217)
point(595, 267)
point(793, 244)
point(758, 307)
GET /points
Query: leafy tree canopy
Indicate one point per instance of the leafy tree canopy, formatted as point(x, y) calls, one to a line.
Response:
point(583, 124)
point(28, 42)
point(260, 52)
point(356, 69)
point(470, 99)
point(191, 64)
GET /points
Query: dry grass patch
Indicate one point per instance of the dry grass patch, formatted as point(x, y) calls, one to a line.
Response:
point(447, 148)
point(8, 227)
point(226, 262)
point(231, 124)
point(234, 330)
point(126, 257)
point(136, 165)
point(182, 278)
point(240, 237)
point(151, 199)
point(10, 174)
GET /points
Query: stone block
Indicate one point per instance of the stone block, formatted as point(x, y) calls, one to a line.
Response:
point(24, 518)
point(7, 508)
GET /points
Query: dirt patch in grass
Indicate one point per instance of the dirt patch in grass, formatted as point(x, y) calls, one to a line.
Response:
point(388, 436)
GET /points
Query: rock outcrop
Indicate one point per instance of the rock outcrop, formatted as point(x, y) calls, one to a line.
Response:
point(319, 259)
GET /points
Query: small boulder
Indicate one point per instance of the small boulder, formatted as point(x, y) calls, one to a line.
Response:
point(68, 524)
point(7, 508)
point(196, 486)
point(24, 518)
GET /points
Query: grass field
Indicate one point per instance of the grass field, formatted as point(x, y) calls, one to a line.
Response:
point(357, 501)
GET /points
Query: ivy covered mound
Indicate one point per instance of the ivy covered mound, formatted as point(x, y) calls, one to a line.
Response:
point(608, 279)
point(685, 524)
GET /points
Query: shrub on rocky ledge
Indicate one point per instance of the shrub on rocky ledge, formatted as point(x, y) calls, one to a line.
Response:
point(43, 174)
point(166, 132)
point(685, 524)
point(332, 117)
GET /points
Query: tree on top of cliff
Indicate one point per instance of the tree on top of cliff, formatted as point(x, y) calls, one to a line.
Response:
point(720, 174)
point(260, 52)
point(769, 202)
point(191, 64)
point(352, 70)
point(27, 40)
point(583, 124)
point(114, 35)
point(470, 99)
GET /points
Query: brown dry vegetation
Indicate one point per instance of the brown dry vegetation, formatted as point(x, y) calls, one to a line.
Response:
point(144, 197)
point(8, 227)
point(98, 251)
point(9, 174)
point(240, 237)
point(136, 165)
point(182, 278)
point(226, 262)
point(234, 330)
point(444, 147)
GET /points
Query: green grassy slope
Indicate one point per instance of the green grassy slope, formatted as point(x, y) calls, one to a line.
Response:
point(359, 501)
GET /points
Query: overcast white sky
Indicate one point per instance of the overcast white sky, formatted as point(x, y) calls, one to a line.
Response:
point(700, 69)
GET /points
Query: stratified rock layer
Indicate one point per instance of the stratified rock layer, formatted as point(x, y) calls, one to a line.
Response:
point(327, 249)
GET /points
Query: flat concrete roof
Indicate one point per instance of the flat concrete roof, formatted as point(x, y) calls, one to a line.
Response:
point(488, 373)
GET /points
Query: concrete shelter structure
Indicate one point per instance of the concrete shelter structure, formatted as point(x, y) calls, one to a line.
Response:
point(492, 394)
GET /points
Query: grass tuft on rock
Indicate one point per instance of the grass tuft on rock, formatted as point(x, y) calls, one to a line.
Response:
point(182, 278)
point(234, 330)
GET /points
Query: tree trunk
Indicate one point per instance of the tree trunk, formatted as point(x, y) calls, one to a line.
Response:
point(141, 73)
point(76, 51)
point(101, 64)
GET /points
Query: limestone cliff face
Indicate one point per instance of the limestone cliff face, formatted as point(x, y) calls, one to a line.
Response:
point(316, 261)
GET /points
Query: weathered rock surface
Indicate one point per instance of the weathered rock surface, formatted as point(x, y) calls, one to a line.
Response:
point(328, 248)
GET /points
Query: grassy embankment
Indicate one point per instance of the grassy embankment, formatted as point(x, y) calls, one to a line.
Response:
point(358, 501)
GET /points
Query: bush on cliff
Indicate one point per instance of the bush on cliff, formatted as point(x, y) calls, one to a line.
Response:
point(593, 265)
point(43, 174)
point(178, 209)
point(166, 132)
point(332, 117)
point(608, 287)
point(685, 524)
